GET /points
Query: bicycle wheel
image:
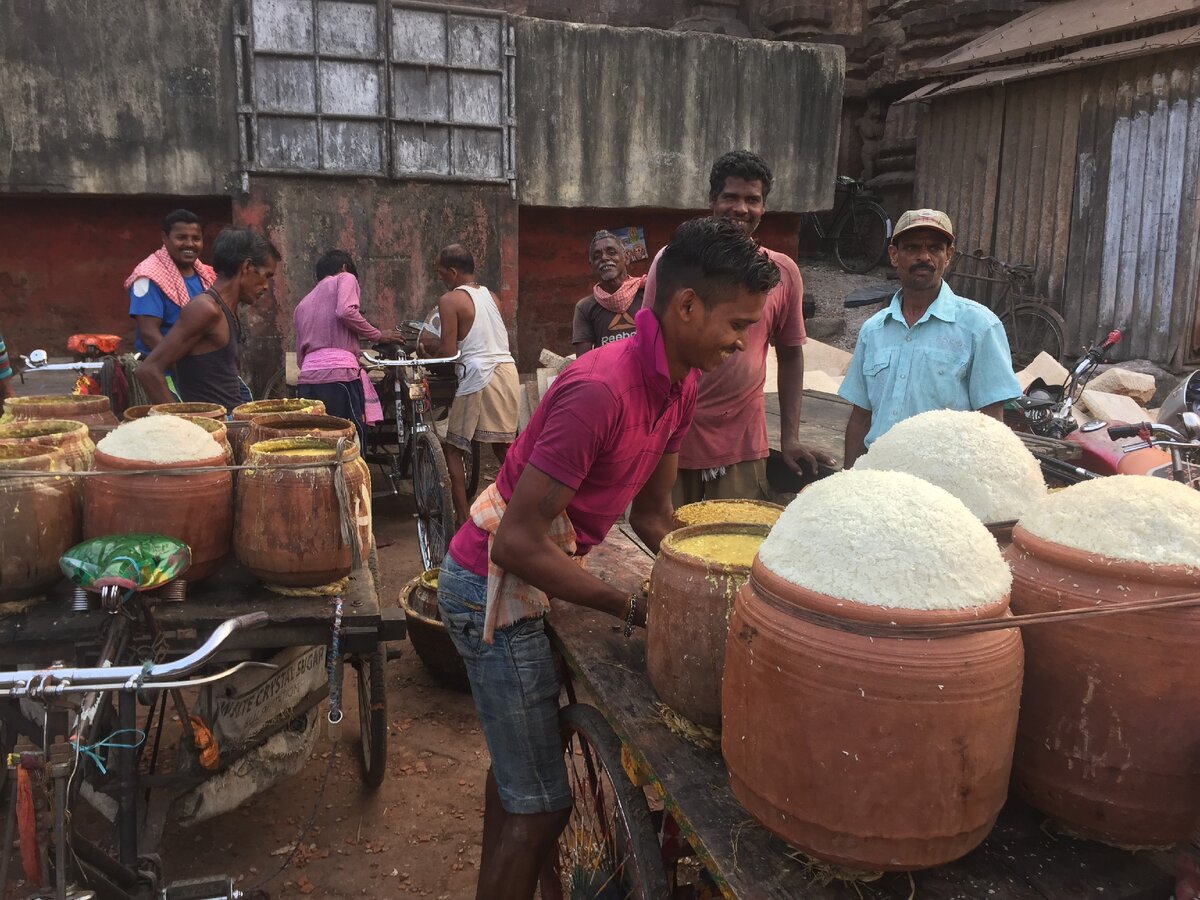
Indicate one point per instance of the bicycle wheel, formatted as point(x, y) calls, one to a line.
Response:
point(372, 715)
point(1034, 327)
point(609, 848)
point(861, 242)
point(431, 491)
point(473, 470)
point(277, 387)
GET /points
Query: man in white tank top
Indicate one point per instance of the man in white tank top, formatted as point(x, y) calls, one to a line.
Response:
point(486, 404)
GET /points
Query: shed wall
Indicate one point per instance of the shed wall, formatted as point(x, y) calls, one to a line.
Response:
point(1091, 177)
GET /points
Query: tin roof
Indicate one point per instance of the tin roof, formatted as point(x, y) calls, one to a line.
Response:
point(1049, 30)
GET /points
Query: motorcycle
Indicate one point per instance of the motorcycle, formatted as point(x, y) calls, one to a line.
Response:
point(1168, 448)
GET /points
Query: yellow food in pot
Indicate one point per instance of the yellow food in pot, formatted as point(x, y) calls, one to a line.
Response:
point(721, 549)
point(738, 512)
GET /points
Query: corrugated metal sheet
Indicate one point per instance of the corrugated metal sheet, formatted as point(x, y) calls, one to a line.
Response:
point(1055, 25)
point(1096, 183)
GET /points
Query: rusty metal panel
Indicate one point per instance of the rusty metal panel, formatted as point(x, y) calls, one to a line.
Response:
point(283, 26)
point(957, 162)
point(347, 29)
point(1134, 254)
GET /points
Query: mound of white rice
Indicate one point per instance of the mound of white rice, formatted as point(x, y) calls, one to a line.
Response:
point(886, 539)
point(1130, 517)
point(159, 439)
point(973, 456)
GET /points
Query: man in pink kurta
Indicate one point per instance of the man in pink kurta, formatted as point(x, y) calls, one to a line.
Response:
point(724, 455)
point(329, 330)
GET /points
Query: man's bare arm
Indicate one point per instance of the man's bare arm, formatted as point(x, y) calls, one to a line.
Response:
point(652, 511)
point(523, 546)
point(856, 435)
point(149, 329)
point(196, 321)
point(449, 307)
point(797, 455)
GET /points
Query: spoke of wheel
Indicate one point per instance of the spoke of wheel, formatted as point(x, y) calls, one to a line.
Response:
point(592, 826)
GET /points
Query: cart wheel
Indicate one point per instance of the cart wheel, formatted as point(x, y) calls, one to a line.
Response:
point(372, 715)
point(431, 490)
point(609, 847)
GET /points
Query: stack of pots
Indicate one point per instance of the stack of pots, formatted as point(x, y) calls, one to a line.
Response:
point(90, 409)
point(690, 601)
point(875, 753)
point(248, 412)
point(288, 527)
point(1109, 739)
point(39, 518)
point(196, 508)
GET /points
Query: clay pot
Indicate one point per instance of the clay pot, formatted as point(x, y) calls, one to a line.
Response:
point(39, 519)
point(196, 508)
point(872, 753)
point(136, 412)
point(688, 619)
point(239, 436)
point(289, 425)
point(70, 437)
point(288, 525)
point(217, 429)
point(1002, 534)
point(731, 511)
point(205, 410)
point(428, 635)
point(90, 409)
point(1109, 739)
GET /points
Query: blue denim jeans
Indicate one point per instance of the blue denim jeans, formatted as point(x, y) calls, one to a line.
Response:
point(515, 685)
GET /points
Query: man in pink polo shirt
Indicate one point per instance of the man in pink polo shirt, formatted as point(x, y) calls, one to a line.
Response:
point(724, 456)
point(606, 434)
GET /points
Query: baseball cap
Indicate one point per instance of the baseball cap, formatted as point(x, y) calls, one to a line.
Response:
point(924, 218)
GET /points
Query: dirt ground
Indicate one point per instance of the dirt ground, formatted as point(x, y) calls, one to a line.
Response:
point(418, 835)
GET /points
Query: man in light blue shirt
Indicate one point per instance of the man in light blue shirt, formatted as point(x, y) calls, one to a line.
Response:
point(930, 349)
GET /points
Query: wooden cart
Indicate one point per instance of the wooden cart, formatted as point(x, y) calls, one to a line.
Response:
point(687, 785)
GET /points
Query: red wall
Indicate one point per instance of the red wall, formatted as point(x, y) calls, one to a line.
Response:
point(553, 266)
point(63, 261)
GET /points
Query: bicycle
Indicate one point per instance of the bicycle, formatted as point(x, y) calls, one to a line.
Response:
point(406, 446)
point(1032, 325)
point(860, 229)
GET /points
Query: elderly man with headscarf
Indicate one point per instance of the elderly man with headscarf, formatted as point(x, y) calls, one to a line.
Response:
point(606, 314)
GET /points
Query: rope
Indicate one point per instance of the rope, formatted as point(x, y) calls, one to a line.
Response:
point(89, 750)
point(321, 590)
point(955, 629)
point(189, 470)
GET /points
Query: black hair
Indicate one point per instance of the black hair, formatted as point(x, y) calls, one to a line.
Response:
point(457, 257)
point(739, 164)
point(603, 235)
point(333, 261)
point(178, 217)
point(713, 257)
point(234, 246)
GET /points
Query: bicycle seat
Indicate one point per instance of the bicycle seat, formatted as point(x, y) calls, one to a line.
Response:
point(132, 562)
point(846, 180)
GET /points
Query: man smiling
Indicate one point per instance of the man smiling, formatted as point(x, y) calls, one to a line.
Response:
point(163, 283)
point(606, 315)
point(930, 349)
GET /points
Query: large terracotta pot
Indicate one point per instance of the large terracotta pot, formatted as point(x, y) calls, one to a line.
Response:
point(741, 512)
point(687, 621)
point(219, 432)
point(136, 412)
point(1109, 740)
point(289, 425)
point(39, 519)
point(196, 508)
point(288, 528)
point(72, 438)
point(873, 753)
point(90, 409)
point(206, 410)
point(247, 412)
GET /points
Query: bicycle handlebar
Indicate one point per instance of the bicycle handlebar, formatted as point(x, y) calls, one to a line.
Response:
point(129, 678)
point(368, 362)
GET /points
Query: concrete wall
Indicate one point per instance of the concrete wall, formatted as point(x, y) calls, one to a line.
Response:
point(111, 97)
point(554, 267)
point(634, 117)
point(64, 260)
point(393, 229)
